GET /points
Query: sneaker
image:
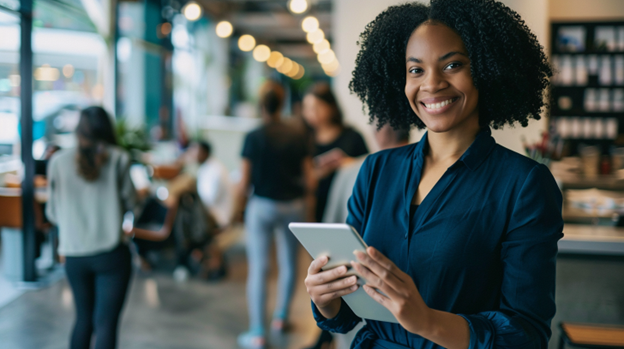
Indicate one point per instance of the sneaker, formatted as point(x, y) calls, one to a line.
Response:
point(249, 340)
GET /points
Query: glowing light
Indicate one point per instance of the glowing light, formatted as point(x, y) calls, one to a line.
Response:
point(300, 74)
point(261, 53)
point(327, 57)
point(165, 29)
point(274, 59)
point(332, 66)
point(298, 6)
point(285, 66)
point(321, 47)
point(315, 36)
point(46, 73)
point(68, 71)
point(224, 29)
point(192, 11)
point(246, 43)
point(294, 70)
point(310, 24)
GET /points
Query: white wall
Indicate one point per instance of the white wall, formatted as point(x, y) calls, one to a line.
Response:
point(585, 10)
point(347, 26)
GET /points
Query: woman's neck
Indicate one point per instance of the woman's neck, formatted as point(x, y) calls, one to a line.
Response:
point(451, 145)
point(327, 133)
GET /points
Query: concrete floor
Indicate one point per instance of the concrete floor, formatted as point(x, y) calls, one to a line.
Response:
point(159, 313)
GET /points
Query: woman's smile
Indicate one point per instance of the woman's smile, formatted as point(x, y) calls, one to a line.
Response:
point(438, 105)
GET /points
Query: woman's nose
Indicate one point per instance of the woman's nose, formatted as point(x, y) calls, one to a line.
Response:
point(434, 81)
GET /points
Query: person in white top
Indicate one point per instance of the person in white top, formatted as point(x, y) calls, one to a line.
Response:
point(213, 185)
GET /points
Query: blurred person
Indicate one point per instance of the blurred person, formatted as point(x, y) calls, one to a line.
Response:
point(277, 164)
point(342, 185)
point(89, 191)
point(213, 184)
point(334, 143)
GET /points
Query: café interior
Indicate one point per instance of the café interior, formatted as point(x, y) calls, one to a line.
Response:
point(174, 72)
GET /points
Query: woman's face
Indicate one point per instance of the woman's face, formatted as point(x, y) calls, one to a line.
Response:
point(316, 112)
point(438, 82)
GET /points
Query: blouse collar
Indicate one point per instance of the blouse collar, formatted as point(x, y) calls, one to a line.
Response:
point(474, 155)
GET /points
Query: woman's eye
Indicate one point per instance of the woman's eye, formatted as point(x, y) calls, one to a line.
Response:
point(414, 70)
point(453, 65)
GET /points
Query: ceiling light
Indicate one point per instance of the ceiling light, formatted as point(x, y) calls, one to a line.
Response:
point(246, 43)
point(192, 11)
point(294, 70)
point(298, 6)
point(68, 71)
point(321, 47)
point(310, 24)
point(46, 73)
point(326, 57)
point(332, 66)
point(274, 59)
point(315, 36)
point(261, 53)
point(300, 74)
point(224, 29)
point(285, 66)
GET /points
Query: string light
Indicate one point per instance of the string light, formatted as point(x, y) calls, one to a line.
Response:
point(310, 24)
point(261, 53)
point(298, 6)
point(274, 58)
point(327, 57)
point(192, 11)
point(224, 29)
point(321, 47)
point(315, 36)
point(246, 43)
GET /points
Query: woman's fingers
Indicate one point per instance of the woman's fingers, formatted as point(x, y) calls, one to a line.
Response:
point(317, 264)
point(328, 297)
point(380, 273)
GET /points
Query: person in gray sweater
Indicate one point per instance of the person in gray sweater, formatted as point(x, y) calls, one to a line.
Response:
point(89, 191)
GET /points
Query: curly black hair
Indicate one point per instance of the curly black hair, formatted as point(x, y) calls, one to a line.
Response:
point(508, 65)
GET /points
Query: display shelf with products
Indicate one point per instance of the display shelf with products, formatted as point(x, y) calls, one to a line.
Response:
point(587, 95)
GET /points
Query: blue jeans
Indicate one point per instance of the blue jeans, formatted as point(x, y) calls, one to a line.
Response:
point(265, 218)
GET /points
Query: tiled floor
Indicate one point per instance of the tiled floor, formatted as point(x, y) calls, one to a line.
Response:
point(160, 313)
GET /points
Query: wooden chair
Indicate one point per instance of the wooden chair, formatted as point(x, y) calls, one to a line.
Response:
point(591, 336)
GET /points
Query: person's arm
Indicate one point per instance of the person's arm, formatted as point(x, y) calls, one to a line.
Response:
point(127, 192)
point(242, 188)
point(527, 302)
point(51, 204)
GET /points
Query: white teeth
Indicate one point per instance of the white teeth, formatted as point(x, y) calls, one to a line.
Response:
point(439, 105)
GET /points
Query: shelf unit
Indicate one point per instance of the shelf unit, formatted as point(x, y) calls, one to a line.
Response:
point(569, 110)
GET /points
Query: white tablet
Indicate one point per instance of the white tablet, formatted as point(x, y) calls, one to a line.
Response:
point(338, 241)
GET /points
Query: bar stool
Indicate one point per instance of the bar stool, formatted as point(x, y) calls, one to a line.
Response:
point(591, 336)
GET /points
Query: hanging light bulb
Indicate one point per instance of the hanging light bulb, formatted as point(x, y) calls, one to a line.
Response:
point(192, 11)
point(261, 53)
point(310, 24)
point(315, 36)
point(224, 29)
point(274, 59)
point(246, 43)
point(300, 74)
point(321, 47)
point(285, 66)
point(298, 6)
point(326, 57)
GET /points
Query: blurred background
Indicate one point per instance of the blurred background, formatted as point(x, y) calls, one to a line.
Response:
point(174, 72)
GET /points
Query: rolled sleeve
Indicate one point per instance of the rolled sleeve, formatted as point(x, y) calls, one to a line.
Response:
point(528, 255)
point(343, 322)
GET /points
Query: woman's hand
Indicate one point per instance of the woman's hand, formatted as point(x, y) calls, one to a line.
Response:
point(400, 294)
point(326, 287)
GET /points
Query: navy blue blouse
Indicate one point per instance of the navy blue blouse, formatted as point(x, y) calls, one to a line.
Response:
point(482, 244)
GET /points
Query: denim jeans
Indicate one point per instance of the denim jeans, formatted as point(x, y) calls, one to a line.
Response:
point(264, 219)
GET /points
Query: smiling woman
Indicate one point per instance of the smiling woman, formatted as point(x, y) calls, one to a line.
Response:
point(462, 231)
